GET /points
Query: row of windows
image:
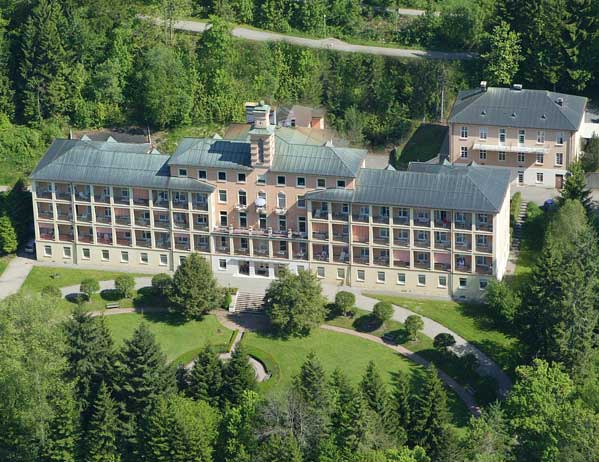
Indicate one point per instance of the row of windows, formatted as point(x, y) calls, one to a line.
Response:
point(262, 221)
point(539, 156)
point(242, 198)
point(483, 134)
point(105, 256)
point(381, 277)
point(281, 180)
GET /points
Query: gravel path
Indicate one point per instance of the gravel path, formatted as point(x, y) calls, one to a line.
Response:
point(325, 43)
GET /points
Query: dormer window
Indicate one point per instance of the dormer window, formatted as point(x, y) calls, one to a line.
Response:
point(341, 183)
point(182, 172)
point(222, 176)
point(202, 174)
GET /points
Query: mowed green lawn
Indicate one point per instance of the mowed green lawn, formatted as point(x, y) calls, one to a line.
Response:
point(41, 276)
point(175, 336)
point(467, 320)
point(335, 350)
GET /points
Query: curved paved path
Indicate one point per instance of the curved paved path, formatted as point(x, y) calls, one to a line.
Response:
point(325, 43)
point(431, 328)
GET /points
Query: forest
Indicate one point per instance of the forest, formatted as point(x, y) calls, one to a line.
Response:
point(82, 64)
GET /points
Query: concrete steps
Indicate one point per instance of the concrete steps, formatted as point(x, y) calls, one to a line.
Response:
point(249, 301)
point(517, 234)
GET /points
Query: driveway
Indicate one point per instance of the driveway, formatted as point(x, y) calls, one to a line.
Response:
point(14, 275)
point(325, 43)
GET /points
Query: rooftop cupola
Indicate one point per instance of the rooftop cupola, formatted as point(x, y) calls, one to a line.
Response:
point(262, 136)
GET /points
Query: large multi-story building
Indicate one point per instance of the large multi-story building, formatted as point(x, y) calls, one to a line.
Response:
point(534, 133)
point(253, 207)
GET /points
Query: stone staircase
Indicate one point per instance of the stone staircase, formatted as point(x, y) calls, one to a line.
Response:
point(517, 235)
point(249, 301)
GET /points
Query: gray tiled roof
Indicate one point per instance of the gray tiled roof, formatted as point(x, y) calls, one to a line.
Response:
point(518, 108)
point(317, 160)
point(289, 157)
point(213, 153)
point(470, 188)
point(110, 163)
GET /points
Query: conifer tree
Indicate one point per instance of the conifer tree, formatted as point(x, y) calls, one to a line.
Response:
point(142, 373)
point(236, 437)
point(238, 376)
point(62, 429)
point(575, 186)
point(374, 391)
point(8, 236)
point(101, 435)
point(311, 384)
point(206, 377)
point(90, 354)
point(431, 417)
point(179, 429)
point(278, 448)
point(401, 400)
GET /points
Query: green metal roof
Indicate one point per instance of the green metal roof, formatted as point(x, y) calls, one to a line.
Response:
point(506, 107)
point(317, 160)
point(470, 188)
point(111, 163)
point(213, 153)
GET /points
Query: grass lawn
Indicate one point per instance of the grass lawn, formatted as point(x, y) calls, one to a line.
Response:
point(180, 340)
point(423, 144)
point(41, 276)
point(469, 321)
point(334, 350)
point(4, 261)
point(364, 322)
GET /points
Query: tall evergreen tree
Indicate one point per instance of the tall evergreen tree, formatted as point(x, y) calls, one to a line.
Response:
point(430, 419)
point(238, 376)
point(90, 353)
point(8, 236)
point(43, 55)
point(575, 187)
point(278, 448)
point(311, 383)
point(7, 104)
point(142, 376)
point(236, 437)
point(400, 408)
point(559, 316)
point(488, 438)
point(179, 430)
point(62, 435)
point(101, 435)
point(375, 391)
point(206, 377)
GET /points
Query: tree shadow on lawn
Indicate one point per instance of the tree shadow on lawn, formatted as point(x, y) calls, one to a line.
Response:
point(508, 358)
point(110, 295)
point(367, 323)
point(163, 317)
point(148, 297)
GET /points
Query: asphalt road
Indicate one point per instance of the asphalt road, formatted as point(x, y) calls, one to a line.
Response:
point(326, 43)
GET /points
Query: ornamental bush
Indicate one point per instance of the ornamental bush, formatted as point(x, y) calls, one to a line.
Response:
point(344, 302)
point(413, 325)
point(383, 311)
point(89, 286)
point(161, 283)
point(124, 284)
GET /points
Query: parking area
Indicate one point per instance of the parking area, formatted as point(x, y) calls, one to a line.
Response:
point(535, 194)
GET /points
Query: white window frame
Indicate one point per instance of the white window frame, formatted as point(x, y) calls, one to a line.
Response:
point(521, 137)
point(47, 251)
point(324, 183)
point(559, 159)
point(442, 285)
point(66, 252)
point(320, 272)
point(483, 133)
point(182, 172)
point(297, 182)
point(482, 282)
point(105, 255)
point(279, 183)
point(423, 278)
point(261, 179)
point(540, 158)
point(401, 279)
point(539, 177)
point(462, 283)
point(220, 198)
point(360, 275)
point(202, 175)
point(301, 200)
point(144, 259)
point(502, 136)
point(540, 136)
point(124, 256)
point(379, 279)
point(340, 273)
point(222, 264)
point(482, 154)
point(83, 253)
point(463, 152)
point(239, 180)
point(163, 259)
point(218, 176)
point(521, 157)
point(501, 156)
point(464, 133)
point(560, 138)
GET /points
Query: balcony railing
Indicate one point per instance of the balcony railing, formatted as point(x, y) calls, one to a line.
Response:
point(423, 244)
point(382, 240)
point(422, 264)
point(143, 201)
point(361, 260)
point(362, 218)
point(185, 246)
point(126, 241)
point(200, 226)
point(142, 221)
point(121, 200)
point(442, 266)
point(202, 248)
point(486, 248)
point(163, 243)
point(85, 238)
point(381, 219)
point(161, 224)
point(401, 263)
point(68, 237)
point(82, 197)
point(445, 224)
point(341, 258)
point(341, 237)
point(44, 194)
point(401, 220)
point(281, 254)
point(320, 236)
point(180, 204)
point(484, 269)
point(261, 252)
point(401, 241)
point(123, 219)
point(103, 219)
point(47, 236)
point(180, 224)
point(161, 203)
point(381, 260)
point(320, 214)
point(64, 216)
point(463, 246)
point(63, 195)
point(481, 226)
point(104, 240)
point(143, 242)
point(200, 205)
point(463, 224)
point(45, 214)
point(423, 222)
point(442, 245)
point(242, 251)
point(340, 216)
point(103, 198)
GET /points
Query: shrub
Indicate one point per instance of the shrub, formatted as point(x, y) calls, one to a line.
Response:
point(344, 302)
point(89, 286)
point(161, 283)
point(8, 236)
point(124, 284)
point(534, 226)
point(227, 300)
point(443, 341)
point(51, 292)
point(515, 207)
point(383, 311)
point(502, 300)
point(413, 325)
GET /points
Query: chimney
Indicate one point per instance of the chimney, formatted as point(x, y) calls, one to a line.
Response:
point(560, 101)
point(517, 87)
point(483, 85)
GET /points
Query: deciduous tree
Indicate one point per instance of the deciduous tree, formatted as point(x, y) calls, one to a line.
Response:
point(413, 324)
point(503, 55)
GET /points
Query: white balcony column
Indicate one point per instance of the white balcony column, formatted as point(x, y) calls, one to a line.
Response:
point(250, 246)
point(231, 243)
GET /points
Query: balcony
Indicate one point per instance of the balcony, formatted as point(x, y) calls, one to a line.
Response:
point(463, 263)
point(381, 239)
point(203, 247)
point(45, 214)
point(64, 215)
point(104, 238)
point(463, 221)
point(121, 196)
point(85, 238)
point(180, 203)
point(43, 190)
point(401, 263)
point(401, 241)
point(241, 207)
point(163, 244)
point(100, 218)
point(339, 215)
point(402, 220)
point(463, 245)
point(484, 269)
point(422, 264)
point(484, 248)
point(180, 223)
point(261, 250)
point(182, 244)
point(422, 243)
point(442, 244)
point(47, 234)
point(360, 217)
point(422, 221)
point(320, 211)
point(484, 226)
point(140, 220)
point(340, 237)
point(143, 242)
point(442, 267)
point(161, 202)
point(381, 260)
point(66, 237)
point(320, 252)
point(320, 235)
point(82, 193)
point(123, 240)
point(200, 226)
point(361, 259)
point(63, 195)
point(122, 220)
point(281, 210)
point(442, 219)
point(340, 255)
point(380, 215)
